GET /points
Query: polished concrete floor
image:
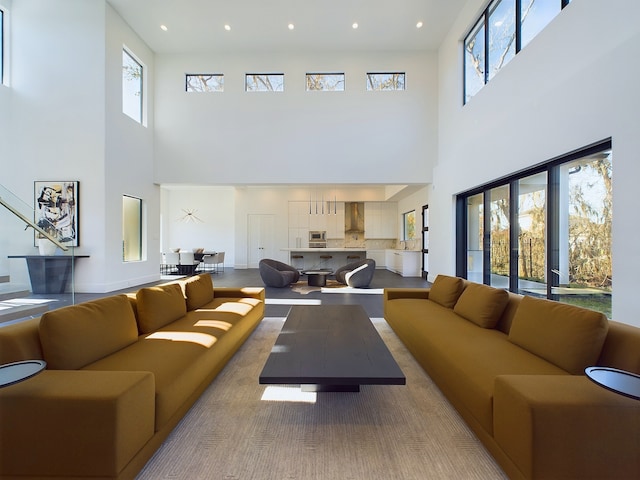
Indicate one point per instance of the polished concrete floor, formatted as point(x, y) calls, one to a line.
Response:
point(279, 300)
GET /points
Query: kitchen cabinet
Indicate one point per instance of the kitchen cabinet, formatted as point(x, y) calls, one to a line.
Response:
point(335, 220)
point(403, 262)
point(380, 219)
point(379, 256)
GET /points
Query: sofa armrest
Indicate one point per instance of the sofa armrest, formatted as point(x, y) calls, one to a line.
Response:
point(557, 426)
point(69, 423)
point(395, 293)
point(240, 292)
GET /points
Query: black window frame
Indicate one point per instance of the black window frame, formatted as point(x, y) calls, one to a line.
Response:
point(551, 168)
point(2, 44)
point(484, 18)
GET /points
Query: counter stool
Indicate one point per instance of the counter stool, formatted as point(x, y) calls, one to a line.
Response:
point(297, 262)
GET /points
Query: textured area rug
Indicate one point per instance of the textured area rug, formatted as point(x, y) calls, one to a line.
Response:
point(406, 432)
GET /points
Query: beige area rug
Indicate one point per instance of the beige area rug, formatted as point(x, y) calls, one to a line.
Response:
point(406, 432)
point(333, 286)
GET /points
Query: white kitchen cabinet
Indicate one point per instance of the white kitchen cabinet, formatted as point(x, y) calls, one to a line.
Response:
point(403, 262)
point(379, 256)
point(335, 220)
point(380, 219)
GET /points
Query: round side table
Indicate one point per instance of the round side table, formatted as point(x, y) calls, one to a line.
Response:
point(11, 373)
point(618, 381)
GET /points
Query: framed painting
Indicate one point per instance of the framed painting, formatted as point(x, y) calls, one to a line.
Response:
point(56, 210)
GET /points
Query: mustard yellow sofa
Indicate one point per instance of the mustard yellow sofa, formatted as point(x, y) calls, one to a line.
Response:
point(121, 373)
point(513, 367)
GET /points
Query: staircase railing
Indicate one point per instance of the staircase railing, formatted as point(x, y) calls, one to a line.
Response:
point(32, 224)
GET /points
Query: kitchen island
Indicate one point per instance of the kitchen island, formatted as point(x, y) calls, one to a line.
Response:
point(312, 258)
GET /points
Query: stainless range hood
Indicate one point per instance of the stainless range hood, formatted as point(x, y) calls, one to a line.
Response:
point(354, 217)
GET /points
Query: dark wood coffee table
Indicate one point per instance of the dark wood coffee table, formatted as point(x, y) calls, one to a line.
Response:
point(317, 278)
point(330, 348)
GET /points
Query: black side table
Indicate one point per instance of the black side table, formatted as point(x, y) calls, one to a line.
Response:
point(11, 373)
point(618, 381)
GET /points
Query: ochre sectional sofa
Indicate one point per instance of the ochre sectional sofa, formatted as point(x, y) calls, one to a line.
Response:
point(121, 373)
point(513, 367)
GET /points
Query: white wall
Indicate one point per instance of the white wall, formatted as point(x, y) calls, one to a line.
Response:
point(573, 85)
point(57, 114)
point(64, 122)
point(238, 137)
point(214, 225)
point(129, 163)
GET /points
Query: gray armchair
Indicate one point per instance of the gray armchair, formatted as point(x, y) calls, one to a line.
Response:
point(357, 274)
point(277, 274)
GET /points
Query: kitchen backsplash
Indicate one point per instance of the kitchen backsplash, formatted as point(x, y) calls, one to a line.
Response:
point(357, 241)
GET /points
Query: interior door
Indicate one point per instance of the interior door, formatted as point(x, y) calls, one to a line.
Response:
point(261, 231)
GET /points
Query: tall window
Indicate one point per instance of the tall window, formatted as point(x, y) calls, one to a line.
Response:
point(548, 230)
point(409, 225)
point(499, 34)
point(131, 229)
point(132, 83)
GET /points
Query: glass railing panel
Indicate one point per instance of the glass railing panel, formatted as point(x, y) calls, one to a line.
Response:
point(28, 236)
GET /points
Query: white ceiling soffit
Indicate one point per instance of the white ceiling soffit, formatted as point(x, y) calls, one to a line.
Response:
point(259, 25)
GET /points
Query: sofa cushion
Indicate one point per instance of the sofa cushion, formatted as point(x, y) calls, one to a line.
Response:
point(482, 304)
point(446, 290)
point(78, 335)
point(198, 290)
point(567, 336)
point(158, 306)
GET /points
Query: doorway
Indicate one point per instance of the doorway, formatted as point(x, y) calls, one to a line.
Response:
point(261, 231)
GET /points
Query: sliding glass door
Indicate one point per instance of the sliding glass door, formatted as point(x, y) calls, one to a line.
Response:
point(547, 231)
point(532, 234)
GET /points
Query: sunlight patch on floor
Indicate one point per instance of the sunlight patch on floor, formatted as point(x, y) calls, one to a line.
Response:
point(288, 394)
point(291, 301)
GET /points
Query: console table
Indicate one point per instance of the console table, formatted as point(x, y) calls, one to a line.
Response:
point(49, 273)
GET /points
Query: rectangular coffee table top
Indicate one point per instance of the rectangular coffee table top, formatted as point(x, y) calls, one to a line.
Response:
point(330, 348)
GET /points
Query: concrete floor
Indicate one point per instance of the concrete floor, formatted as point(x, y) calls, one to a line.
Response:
point(279, 300)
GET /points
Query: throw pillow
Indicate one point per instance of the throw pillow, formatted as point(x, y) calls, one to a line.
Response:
point(159, 306)
point(482, 304)
point(569, 337)
point(198, 290)
point(75, 336)
point(446, 290)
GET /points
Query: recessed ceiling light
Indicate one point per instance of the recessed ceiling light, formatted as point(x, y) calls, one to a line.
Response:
point(419, 25)
point(355, 25)
point(227, 27)
point(291, 26)
point(163, 28)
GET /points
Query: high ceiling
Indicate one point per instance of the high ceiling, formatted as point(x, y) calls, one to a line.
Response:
point(263, 25)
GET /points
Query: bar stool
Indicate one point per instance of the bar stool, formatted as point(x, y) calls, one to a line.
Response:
point(297, 262)
point(324, 259)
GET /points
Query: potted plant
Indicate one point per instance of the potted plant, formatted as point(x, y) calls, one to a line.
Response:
point(46, 246)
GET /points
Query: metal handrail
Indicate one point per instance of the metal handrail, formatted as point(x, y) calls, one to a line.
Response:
point(33, 225)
